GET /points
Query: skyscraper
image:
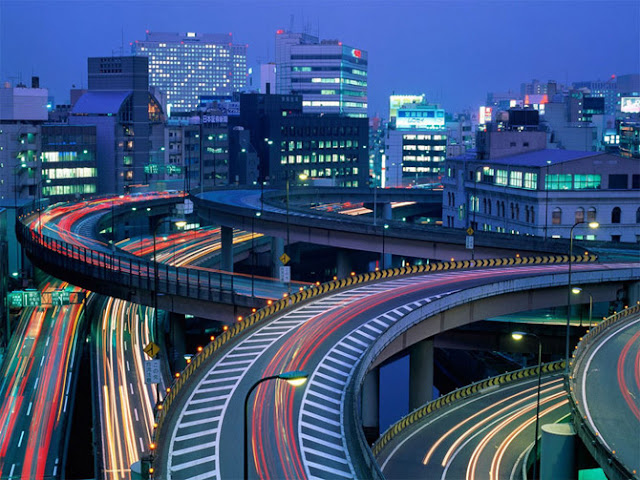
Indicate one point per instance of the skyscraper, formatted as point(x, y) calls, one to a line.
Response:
point(330, 76)
point(192, 65)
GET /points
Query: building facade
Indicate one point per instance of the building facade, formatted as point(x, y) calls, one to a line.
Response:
point(191, 65)
point(329, 149)
point(544, 193)
point(129, 122)
point(330, 76)
point(68, 161)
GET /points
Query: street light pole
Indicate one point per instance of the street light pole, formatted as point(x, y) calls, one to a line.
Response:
point(294, 378)
point(384, 227)
point(568, 332)
point(578, 290)
point(518, 336)
point(253, 263)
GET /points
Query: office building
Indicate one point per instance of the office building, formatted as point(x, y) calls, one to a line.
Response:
point(602, 89)
point(416, 143)
point(68, 157)
point(329, 149)
point(129, 122)
point(330, 76)
point(189, 66)
point(544, 193)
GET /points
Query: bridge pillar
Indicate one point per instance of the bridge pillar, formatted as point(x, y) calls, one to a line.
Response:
point(633, 293)
point(226, 252)
point(277, 249)
point(343, 264)
point(371, 405)
point(420, 373)
point(387, 213)
point(557, 452)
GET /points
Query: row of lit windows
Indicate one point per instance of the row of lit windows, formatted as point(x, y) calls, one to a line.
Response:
point(314, 158)
point(423, 158)
point(60, 157)
point(348, 81)
point(61, 173)
point(333, 172)
point(420, 169)
point(437, 148)
point(49, 191)
point(580, 182)
point(424, 137)
point(299, 145)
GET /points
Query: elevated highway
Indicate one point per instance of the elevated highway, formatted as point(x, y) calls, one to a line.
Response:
point(336, 337)
point(605, 388)
point(64, 241)
point(237, 208)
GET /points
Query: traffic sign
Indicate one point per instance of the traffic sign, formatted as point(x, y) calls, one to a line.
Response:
point(284, 258)
point(32, 299)
point(470, 231)
point(285, 274)
point(469, 242)
point(152, 373)
point(60, 297)
point(152, 349)
point(16, 299)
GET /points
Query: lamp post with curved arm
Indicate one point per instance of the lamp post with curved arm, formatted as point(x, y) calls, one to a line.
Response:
point(592, 225)
point(519, 336)
point(295, 378)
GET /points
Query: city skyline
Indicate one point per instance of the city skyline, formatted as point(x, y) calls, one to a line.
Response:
point(434, 48)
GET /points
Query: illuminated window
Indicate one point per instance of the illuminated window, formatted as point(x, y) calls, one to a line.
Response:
point(558, 182)
point(501, 177)
point(587, 181)
point(591, 214)
point(530, 181)
point(515, 179)
point(556, 216)
point(579, 215)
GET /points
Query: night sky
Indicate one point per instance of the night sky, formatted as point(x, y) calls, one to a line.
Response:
point(454, 51)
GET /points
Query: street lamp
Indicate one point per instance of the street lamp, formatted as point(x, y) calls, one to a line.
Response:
point(578, 290)
point(592, 225)
point(519, 336)
point(476, 202)
point(253, 262)
point(384, 227)
point(303, 177)
point(180, 224)
point(295, 378)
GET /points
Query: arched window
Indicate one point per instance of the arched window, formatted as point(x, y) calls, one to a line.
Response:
point(526, 213)
point(533, 215)
point(484, 205)
point(556, 216)
point(513, 212)
point(517, 211)
point(579, 214)
point(638, 215)
point(591, 214)
point(615, 215)
point(489, 205)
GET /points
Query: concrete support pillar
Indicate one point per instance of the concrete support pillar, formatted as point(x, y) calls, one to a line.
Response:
point(226, 252)
point(386, 211)
point(420, 373)
point(633, 293)
point(371, 405)
point(557, 452)
point(343, 264)
point(277, 249)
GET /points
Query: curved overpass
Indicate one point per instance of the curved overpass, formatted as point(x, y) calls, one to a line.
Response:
point(484, 430)
point(607, 412)
point(237, 207)
point(63, 240)
point(337, 337)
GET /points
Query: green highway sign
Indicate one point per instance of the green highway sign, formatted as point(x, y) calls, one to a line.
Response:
point(60, 297)
point(16, 299)
point(32, 299)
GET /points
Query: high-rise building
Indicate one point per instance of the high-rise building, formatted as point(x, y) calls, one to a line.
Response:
point(129, 121)
point(191, 65)
point(330, 76)
point(416, 144)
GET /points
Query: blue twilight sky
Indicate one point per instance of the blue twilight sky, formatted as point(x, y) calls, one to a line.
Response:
point(455, 51)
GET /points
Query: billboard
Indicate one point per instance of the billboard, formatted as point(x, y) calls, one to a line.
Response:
point(397, 101)
point(420, 118)
point(484, 115)
point(630, 104)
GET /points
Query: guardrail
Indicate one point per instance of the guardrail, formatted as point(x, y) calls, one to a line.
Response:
point(460, 394)
point(323, 289)
point(607, 459)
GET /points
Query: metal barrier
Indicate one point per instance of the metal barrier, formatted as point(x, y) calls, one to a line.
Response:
point(613, 467)
point(460, 394)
